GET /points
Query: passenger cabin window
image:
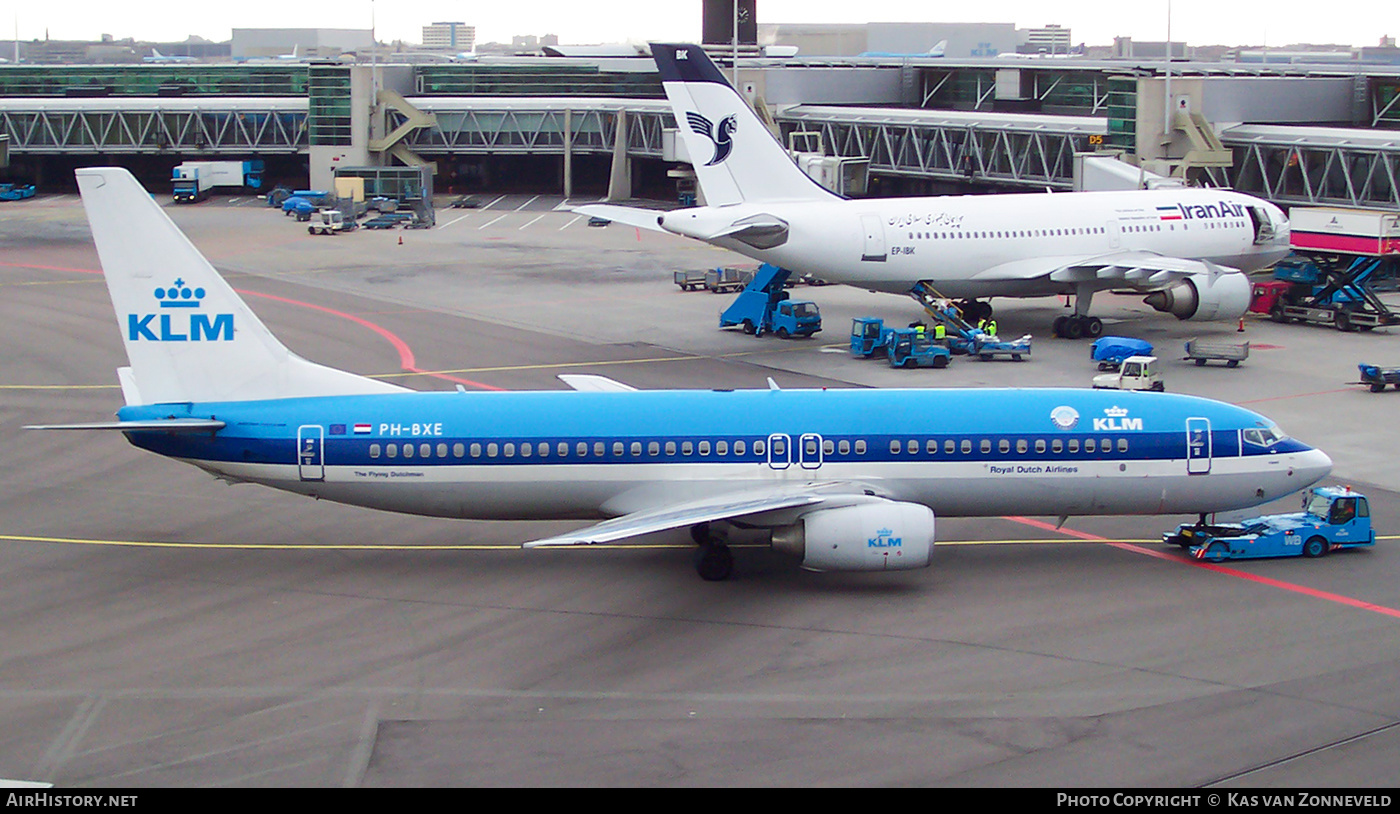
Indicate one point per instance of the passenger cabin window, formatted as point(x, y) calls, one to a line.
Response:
point(374, 450)
point(704, 447)
point(721, 447)
point(860, 446)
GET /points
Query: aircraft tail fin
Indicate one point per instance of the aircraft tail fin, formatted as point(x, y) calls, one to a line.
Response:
point(188, 335)
point(736, 157)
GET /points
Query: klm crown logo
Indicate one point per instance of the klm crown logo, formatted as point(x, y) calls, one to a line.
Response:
point(884, 538)
point(1116, 419)
point(195, 327)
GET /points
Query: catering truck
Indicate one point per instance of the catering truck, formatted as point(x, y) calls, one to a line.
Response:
point(193, 180)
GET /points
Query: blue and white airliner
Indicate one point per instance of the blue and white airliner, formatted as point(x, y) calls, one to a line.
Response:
point(843, 479)
point(1187, 249)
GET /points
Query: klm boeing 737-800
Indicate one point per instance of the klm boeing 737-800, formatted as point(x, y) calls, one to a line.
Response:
point(1187, 249)
point(843, 479)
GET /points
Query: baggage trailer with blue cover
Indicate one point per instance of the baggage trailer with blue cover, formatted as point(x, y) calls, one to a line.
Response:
point(1377, 377)
point(1333, 518)
point(1110, 351)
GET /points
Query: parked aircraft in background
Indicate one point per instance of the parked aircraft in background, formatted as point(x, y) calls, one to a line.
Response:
point(936, 51)
point(1187, 248)
point(843, 479)
point(158, 57)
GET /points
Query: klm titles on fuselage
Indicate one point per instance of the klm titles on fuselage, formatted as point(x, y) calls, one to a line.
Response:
point(182, 323)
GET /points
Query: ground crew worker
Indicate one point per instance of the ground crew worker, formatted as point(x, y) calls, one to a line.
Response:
point(991, 327)
point(939, 332)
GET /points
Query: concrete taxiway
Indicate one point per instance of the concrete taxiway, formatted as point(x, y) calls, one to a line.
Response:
point(165, 629)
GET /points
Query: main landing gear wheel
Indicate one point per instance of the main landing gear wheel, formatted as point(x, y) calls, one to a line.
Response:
point(974, 311)
point(713, 562)
point(1078, 327)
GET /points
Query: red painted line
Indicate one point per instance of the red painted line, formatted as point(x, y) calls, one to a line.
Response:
point(1219, 569)
point(406, 358)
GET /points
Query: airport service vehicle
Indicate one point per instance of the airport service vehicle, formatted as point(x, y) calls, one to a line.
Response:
point(193, 180)
point(869, 336)
point(727, 278)
point(1201, 351)
point(1187, 250)
point(841, 479)
point(388, 221)
point(987, 347)
point(329, 222)
point(909, 347)
point(764, 306)
point(16, 192)
point(689, 279)
point(1331, 290)
point(1332, 518)
point(1135, 373)
point(1339, 230)
point(1110, 351)
point(1377, 377)
point(304, 202)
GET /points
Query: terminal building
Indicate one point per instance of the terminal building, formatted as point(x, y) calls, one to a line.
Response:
point(1291, 133)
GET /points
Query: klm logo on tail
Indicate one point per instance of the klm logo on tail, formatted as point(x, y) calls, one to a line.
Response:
point(194, 327)
point(721, 137)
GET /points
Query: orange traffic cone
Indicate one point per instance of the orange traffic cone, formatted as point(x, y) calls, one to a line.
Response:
point(1241, 328)
point(1241, 321)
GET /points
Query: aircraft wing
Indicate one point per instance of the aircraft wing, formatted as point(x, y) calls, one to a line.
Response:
point(1137, 269)
point(628, 215)
point(728, 506)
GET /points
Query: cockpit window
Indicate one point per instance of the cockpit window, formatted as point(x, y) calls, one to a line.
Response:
point(1264, 436)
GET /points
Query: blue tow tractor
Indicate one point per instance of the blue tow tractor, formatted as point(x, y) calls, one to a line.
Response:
point(910, 347)
point(1332, 518)
point(765, 307)
point(869, 336)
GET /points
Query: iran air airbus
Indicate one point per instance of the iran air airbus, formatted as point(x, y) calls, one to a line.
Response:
point(843, 479)
point(1188, 249)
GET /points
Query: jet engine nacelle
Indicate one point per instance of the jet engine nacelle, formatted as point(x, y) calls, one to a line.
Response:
point(868, 537)
point(1226, 297)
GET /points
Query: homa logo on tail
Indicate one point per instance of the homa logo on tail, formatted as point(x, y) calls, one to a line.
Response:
point(721, 137)
point(884, 538)
point(174, 326)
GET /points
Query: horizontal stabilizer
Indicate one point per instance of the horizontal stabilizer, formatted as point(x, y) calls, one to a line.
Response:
point(630, 216)
point(589, 383)
point(155, 425)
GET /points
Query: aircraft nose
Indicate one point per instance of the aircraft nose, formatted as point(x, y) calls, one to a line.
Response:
point(1310, 467)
